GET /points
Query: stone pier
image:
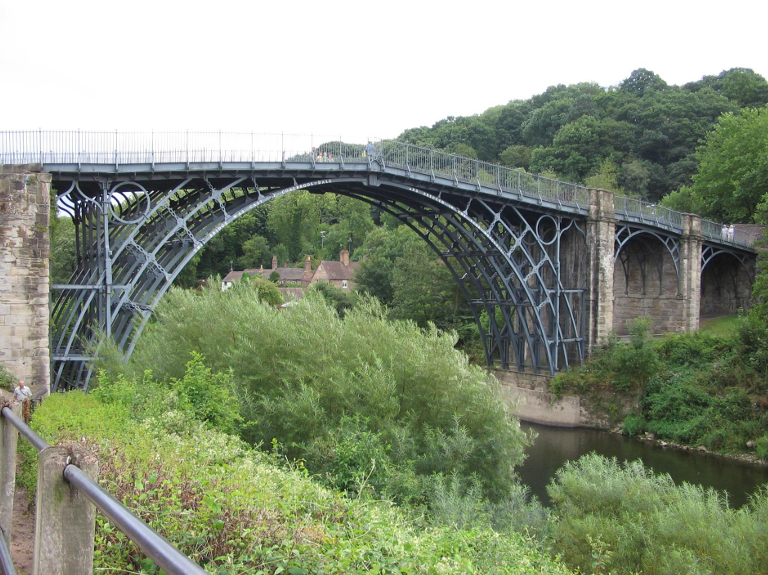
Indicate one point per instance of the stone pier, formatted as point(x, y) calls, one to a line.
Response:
point(601, 234)
point(24, 285)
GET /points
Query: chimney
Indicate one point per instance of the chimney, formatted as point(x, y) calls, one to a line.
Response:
point(308, 264)
point(274, 262)
point(344, 257)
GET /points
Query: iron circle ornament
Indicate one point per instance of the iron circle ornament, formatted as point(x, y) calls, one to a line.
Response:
point(131, 205)
point(542, 234)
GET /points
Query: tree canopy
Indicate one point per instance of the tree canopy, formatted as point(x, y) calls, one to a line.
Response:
point(733, 166)
point(647, 128)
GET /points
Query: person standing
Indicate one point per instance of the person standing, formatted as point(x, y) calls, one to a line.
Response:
point(370, 150)
point(23, 395)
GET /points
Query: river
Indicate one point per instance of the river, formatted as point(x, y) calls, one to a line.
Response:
point(556, 445)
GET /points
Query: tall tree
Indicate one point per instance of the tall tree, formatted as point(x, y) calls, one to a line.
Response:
point(733, 166)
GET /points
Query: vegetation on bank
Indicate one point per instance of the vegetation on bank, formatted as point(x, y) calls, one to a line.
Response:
point(694, 389)
point(624, 519)
point(237, 510)
point(364, 402)
point(365, 446)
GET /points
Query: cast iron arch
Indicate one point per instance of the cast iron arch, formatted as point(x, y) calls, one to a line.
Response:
point(709, 252)
point(151, 234)
point(625, 233)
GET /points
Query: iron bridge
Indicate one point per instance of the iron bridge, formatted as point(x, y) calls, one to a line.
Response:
point(145, 204)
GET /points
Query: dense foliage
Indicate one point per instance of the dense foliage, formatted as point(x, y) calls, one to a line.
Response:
point(732, 179)
point(362, 400)
point(236, 510)
point(624, 519)
point(695, 389)
point(7, 380)
point(643, 130)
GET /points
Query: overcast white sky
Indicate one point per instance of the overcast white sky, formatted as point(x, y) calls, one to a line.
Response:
point(336, 67)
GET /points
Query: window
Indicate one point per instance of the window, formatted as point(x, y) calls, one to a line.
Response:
point(344, 284)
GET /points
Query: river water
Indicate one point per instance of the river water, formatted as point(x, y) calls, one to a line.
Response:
point(556, 445)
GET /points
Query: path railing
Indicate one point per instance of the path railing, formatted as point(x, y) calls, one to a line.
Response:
point(66, 502)
point(118, 148)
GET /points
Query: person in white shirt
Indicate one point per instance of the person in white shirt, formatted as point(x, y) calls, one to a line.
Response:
point(23, 395)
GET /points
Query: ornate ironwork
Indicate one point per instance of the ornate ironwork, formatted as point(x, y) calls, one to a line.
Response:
point(710, 251)
point(671, 243)
point(144, 204)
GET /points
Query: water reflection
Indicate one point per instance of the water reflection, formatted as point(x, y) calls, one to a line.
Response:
point(555, 445)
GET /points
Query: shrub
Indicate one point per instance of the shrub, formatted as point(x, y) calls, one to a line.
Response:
point(234, 510)
point(7, 380)
point(761, 449)
point(300, 372)
point(623, 367)
point(642, 522)
point(634, 424)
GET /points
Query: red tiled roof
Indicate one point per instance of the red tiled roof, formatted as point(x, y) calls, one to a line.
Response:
point(338, 271)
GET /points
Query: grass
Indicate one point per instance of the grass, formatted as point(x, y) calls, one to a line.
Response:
point(720, 326)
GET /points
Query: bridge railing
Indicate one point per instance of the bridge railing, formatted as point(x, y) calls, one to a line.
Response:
point(436, 163)
point(114, 147)
point(117, 148)
point(65, 524)
point(726, 233)
point(647, 212)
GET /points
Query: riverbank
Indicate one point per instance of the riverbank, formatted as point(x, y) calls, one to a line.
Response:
point(555, 446)
point(599, 409)
point(691, 391)
point(650, 438)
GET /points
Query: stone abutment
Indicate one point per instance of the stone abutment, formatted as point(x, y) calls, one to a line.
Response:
point(24, 285)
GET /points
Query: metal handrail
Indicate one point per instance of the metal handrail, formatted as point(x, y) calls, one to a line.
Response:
point(6, 561)
point(116, 148)
point(151, 543)
point(37, 442)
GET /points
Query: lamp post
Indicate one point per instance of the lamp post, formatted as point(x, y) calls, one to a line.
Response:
point(322, 239)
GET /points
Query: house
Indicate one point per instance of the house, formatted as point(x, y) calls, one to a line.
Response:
point(338, 274)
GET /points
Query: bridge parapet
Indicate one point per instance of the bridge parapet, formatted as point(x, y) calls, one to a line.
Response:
point(117, 149)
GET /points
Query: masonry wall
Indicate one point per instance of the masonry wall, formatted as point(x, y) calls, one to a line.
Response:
point(657, 300)
point(528, 396)
point(601, 234)
point(24, 285)
point(725, 287)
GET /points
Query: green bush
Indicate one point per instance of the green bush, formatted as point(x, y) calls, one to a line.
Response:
point(300, 372)
point(635, 521)
point(693, 388)
point(634, 424)
point(341, 299)
point(234, 510)
point(7, 380)
point(761, 449)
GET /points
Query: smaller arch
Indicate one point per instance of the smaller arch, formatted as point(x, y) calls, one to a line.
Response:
point(709, 252)
point(640, 258)
point(626, 233)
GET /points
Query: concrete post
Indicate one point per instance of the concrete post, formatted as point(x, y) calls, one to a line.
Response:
point(690, 271)
point(601, 237)
point(65, 521)
point(10, 436)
